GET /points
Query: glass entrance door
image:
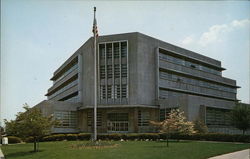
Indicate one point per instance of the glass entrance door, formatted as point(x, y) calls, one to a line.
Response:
point(117, 122)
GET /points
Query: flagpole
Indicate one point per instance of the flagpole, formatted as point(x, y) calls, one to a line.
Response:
point(95, 81)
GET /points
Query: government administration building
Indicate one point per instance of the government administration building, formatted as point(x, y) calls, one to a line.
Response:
point(140, 79)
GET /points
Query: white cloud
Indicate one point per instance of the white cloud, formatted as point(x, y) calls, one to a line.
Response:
point(216, 32)
point(241, 23)
point(188, 40)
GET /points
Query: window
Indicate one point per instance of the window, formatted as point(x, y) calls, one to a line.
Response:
point(71, 98)
point(103, 92)
point(117, 71)
point(164, 113)
point(124, 70)
point(216, 116)
point(67, 71)
point(102, 72)
point(113, 72)
point(124, 91)
point(67, 86)
point(163, 94)
point(117, 91)
point(90, 118)
point(68, 119)
point(110, 91)
point(116, 50)
point(109, 50)
point(109, 70)
point(143, 118)
point(124, 49)
point(117, 122)
point(102, 51)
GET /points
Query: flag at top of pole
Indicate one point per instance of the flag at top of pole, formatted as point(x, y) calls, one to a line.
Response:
point(94, 30)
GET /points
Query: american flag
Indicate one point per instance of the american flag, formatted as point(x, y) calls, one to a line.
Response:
point(95, 30)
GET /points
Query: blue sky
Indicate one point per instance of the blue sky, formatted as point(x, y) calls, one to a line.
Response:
point(38, 36)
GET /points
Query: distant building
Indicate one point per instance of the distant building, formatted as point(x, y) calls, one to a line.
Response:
point(140, 78)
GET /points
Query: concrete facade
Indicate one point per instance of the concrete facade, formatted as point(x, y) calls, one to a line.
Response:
point(140, 78)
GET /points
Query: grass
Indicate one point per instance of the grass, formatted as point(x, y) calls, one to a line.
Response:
point(124, 150)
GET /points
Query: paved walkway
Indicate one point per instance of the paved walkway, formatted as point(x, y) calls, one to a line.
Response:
point(1, 154)
point(244, 154)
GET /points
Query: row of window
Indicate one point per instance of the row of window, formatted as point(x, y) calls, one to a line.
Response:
point(143, 118)
point(64, 88)
point(74, 99)
point(67, 119)
point(90, 119)
point(75, 66)
point(114, 92)
point(196, 89)
point(119, 122)
point(182, 79)
point(116, 68)
point(164, 113)
point(117, 126)
point(215, 116)
point(188, 64)
point(115, 49)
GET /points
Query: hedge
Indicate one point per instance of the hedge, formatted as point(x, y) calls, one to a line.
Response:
point(149, 136)
point(14, 140)
point(213, 137)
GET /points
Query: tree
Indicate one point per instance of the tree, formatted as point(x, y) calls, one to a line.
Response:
point(200, 126)
point(175, 124)
point(240, 117)
point(30, 123)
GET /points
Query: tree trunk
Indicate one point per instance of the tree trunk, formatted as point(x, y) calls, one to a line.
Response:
point(35, 144)
point(167, 139)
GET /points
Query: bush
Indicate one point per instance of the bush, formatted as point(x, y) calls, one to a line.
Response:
point(149, 136)
point(71, 137)
point(14, 140)
point(212, 137)
point(84, 136)
point(57, 137)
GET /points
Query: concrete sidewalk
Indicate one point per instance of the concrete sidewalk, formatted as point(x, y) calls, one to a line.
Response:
point(1, 154)
point(244, 154)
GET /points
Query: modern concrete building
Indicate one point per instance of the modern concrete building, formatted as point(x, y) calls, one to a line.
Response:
point(140, 78)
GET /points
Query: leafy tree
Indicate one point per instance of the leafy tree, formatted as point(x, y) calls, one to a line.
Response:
point(240, 117)
point(200, 126)
point(175, 124)
point(30, 123)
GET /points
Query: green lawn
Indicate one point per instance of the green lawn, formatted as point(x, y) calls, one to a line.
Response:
point(125, 150)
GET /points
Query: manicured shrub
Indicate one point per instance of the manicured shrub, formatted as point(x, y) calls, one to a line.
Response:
point(14, 140)
point(211, 137)
point(56, 137)
point(84, 136)
point(103, 137)
point(149, 136)
point(115, 136)
point(71, 137)
point(131, 136)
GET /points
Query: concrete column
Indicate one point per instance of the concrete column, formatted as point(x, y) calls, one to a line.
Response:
point(135, 120)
